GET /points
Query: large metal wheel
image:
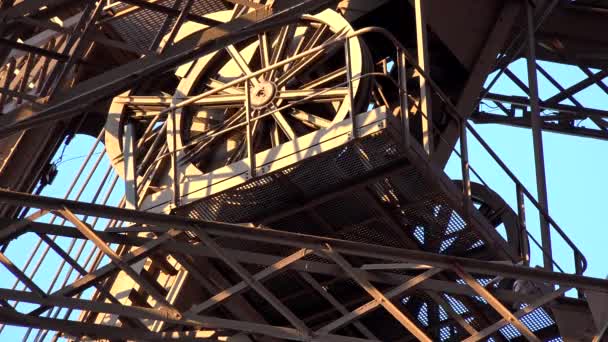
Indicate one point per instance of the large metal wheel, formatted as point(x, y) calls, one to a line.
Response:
point(288, 92)
point(305, 95)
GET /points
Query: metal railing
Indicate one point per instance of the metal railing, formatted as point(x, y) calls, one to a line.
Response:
point(403, 57)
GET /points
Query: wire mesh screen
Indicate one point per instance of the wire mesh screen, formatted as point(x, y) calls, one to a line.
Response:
point(140, 28)
point(405, 205)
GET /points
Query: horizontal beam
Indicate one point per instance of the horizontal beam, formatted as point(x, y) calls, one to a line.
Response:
point(585, 132)
point(303, 241)
point(176, 247)
point(98, 331)
point(524, 101)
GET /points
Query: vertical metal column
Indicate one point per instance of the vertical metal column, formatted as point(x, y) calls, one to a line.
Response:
point(464, 164)
point(349, 81)
point(521, 220)
point(250, 152)
point(130, 173)
point(174, 161)
point(423, 62)
point(536, 123)
point(403, 100)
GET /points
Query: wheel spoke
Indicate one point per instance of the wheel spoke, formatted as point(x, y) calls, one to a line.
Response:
point(307, 62)
point(325, 79)
point(315, 120)
point(279, 118)
point(316, 37)
point(300, 47)
point(223, 101)
point(214, 84)
point(281, 46)
point(220, 100)
point(139, 100)
point(239, 152)
point(202, 140)
point(275, 135)
point(241, 63)
point(264, 49)
point(314, 95)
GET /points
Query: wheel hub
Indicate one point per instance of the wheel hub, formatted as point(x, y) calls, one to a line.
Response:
point(262, 94)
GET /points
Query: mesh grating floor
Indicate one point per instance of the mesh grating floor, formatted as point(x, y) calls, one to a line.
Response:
point(407, 201)
point(139, 29)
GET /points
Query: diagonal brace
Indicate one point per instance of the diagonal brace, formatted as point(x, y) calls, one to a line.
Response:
point(116, 259)
point(495, 303)
point(333, 301)
point(524, 311)
point(20, 275)
point(260, 276)
point(376, 294)
point(256, 285)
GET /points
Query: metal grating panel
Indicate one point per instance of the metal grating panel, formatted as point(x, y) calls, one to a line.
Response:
point(408, 196)
point(140, 28)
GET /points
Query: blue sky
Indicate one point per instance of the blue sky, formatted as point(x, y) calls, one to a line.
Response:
point(575, 169)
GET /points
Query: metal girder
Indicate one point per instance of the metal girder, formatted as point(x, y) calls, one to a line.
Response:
point(176, 248)
point(213, 281)
point(333, 301)
point(120, 262)
point(359, 277)
point(241, 286)
point(6, 262)
point(577, 37)
point(252, 282)
point(517, 315)
point(452, 313)
point(524, 101)
point(579, 86)
point(559, 123)
point(496, 304)
point(377, 301)
point(300, 240)
point(111, 83)
point(79, 329)
point(478, 74)
point(421, 9)
point(537, 140)
point(563, 118)
point(101, 273)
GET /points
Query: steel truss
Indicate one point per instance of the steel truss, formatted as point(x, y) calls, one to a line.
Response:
point(188, 238)
point(576, 118)
point(36, 96)
point(556, 117)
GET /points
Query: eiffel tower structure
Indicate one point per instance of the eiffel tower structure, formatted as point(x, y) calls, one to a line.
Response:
point(276, 170)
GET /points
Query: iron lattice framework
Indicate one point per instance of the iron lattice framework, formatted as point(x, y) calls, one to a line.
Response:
point(282, 170)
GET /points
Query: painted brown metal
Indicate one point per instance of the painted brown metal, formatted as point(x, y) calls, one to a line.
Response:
point(259, 260)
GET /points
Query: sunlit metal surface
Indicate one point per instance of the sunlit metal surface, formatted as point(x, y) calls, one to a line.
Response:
point(272, 170)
